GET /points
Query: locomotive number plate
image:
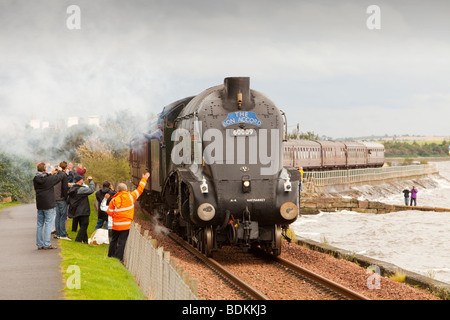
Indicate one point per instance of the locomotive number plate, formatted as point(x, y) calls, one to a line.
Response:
point(242, 132)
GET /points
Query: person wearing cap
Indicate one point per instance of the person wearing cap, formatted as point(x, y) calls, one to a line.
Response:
point(107, 189)
point(406, 194)
point(79, 208)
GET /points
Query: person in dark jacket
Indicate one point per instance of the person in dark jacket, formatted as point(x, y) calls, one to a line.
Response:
point(61, 189)
point(406, 194)
point(79, 207)
point(107, 188)
point(45, 203)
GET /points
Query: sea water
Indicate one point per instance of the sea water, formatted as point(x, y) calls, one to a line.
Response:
point(417, 241)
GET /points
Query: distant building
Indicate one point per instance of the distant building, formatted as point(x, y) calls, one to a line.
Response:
point(94, 121)
point(35, 123)
point(62, 123)
point(72, 121)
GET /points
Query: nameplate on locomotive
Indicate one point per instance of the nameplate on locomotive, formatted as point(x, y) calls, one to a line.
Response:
point(241, 117)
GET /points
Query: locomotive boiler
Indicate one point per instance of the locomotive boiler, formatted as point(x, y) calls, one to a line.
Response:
point(217, 174)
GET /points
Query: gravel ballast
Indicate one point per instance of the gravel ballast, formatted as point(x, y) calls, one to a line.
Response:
point(344, 272)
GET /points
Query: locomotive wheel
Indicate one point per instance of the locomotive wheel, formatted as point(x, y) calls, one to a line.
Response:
point(189, 234)
point(199, 245)
point(232, 234)
point(208, 238)
point(168, 219)
point(205, 241)
point(276, 250)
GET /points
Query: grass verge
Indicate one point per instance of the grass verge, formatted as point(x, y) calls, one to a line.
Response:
point(100, 277)
point(8, 204)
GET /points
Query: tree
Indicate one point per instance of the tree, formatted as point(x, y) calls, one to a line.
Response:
point(415, 149)
point(74, 138)
point(103, 163)
point(16, 177)
point(310, 135)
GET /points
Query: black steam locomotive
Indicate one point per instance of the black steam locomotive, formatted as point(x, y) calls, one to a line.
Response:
point(217, 175)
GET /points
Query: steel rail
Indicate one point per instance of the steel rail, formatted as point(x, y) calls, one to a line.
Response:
point(256, 295)
point(217, 267)
point(335, 287)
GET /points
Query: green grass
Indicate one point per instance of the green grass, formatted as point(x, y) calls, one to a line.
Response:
point(398, 276)
point(8, 204)
point(422, 142)
point(100, 277)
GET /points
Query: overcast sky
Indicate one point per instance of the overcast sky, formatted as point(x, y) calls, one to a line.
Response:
point(317, 60)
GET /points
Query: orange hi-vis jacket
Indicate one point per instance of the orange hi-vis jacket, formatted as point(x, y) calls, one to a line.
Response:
point(121, 207)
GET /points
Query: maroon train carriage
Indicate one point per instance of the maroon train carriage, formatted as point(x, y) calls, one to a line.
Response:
point(305, 153)
point(332, 155)
point(356, 154)
point(375, 154)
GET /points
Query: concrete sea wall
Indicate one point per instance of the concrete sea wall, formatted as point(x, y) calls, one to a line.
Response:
point(314, 204)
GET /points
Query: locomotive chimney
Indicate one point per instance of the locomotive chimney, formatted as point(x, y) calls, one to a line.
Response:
point(237, 94)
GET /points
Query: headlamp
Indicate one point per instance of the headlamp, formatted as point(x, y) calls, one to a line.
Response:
point(246, 184)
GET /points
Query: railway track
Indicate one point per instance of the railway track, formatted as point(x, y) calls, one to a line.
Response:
point(331, 289)
point(340, 290)
point(246, 290)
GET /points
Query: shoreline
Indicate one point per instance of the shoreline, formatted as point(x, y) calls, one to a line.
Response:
point(349, 199)
point(385, 269)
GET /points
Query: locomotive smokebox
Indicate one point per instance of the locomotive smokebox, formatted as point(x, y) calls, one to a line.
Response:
point(237, 94)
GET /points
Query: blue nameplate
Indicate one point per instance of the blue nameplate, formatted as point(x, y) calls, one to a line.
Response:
point(241, 117)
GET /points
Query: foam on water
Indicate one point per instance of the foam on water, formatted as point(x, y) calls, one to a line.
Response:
point(415, 240)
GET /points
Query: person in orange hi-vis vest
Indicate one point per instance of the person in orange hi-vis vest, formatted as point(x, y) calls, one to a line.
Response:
point(121, 209)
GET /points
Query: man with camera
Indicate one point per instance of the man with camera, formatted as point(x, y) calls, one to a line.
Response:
point(45, 203)
point(61, 189)
point(79, 208)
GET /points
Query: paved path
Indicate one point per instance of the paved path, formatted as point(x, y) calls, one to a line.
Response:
point(26, 273)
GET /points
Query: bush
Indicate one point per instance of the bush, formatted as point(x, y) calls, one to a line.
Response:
point(103, 163)
point(16, 178)
point(415, 149)
point(398, 276)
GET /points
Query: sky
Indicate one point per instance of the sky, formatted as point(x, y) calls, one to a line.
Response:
point(317, 60)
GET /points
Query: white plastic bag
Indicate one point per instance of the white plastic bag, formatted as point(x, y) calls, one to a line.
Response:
point(98, 237)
